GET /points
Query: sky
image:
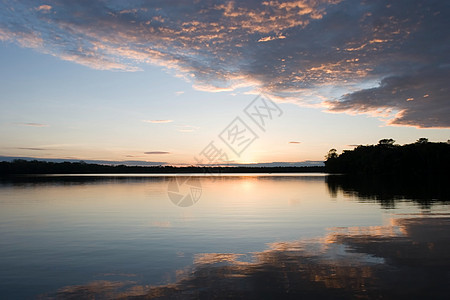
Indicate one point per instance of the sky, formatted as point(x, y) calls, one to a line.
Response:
point(188, 82)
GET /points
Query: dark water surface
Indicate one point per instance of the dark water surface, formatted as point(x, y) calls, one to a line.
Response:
point(248, 236)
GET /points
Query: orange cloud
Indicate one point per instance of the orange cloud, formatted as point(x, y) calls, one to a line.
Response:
point(288, 49)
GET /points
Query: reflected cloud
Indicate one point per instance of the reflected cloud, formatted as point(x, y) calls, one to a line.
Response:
point(161, 224)
point(215, 258)
point(408, 258)
point(101, 289)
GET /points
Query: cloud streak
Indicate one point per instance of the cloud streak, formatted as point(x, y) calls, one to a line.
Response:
point(33, 149)
point(156, 152)
point(157, 121)
point(34, 124)
point(293, 50)
point(187, 128)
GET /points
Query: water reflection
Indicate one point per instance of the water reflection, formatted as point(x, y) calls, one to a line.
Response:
point(78, 179)
point(408, 258)
point(82, 232)
point(388, 191)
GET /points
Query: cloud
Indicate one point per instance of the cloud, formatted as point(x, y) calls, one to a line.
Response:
point(311, 52)
point(34, 149)
point(157, 121)
point(419, 99)
point(157, 152)
point(294, 142)
point(271, 38)
point(179, 93)
point(44, 8)
point(187, 128)
point(34, 124)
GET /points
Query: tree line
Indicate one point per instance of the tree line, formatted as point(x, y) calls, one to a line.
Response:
point(420, 159)
point(20, 166)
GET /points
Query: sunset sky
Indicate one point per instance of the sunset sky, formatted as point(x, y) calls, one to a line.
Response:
point(158, 81)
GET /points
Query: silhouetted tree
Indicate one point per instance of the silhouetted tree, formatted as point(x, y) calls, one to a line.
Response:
point(422, 141)
point(387, 142)
point(424, 159)
point(331, 154)
point(43, 167)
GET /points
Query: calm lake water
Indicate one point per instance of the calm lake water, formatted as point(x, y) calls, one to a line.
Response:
point(247, 236)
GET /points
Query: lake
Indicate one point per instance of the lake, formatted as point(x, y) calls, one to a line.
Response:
point(240, 236)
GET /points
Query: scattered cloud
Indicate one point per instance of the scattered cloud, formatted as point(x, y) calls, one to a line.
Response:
point(157, 121)
point(34, 124)
point(179, 93)
point(295, 142)
point(271, 38)
point(33, 148)
point(292, 50)
point(44, 8)
point(157, 152)
point(187, 128)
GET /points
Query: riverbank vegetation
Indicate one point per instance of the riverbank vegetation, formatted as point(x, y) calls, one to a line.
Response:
point(421, 159)
point(17, 167)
